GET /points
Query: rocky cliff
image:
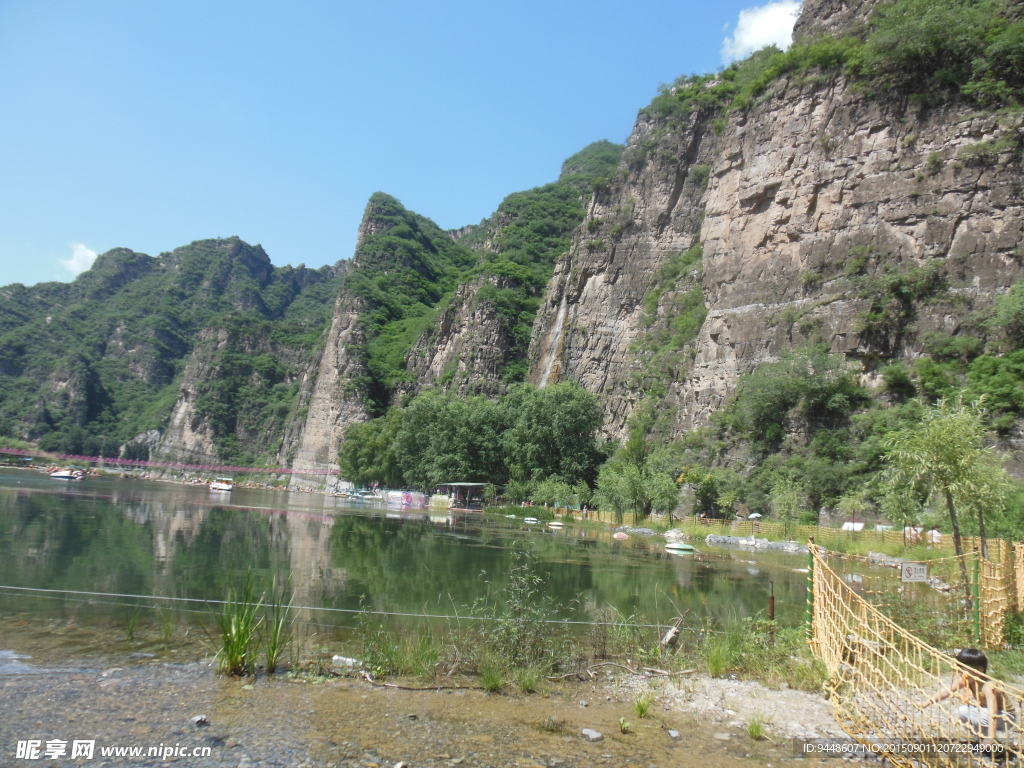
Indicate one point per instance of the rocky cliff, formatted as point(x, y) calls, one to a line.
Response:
point(335, 398)
point(805, 205)
point(468, 347)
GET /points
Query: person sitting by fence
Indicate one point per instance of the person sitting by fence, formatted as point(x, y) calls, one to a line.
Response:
point(933, 537)
point(988, 715)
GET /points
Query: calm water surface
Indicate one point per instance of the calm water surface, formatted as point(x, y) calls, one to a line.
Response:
point(135, 537)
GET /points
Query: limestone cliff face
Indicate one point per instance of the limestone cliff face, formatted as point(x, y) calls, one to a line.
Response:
point(592, 314)
point(189, 437)
point(819, 177)
point(811, 194)
point(467, 348)
point(335, 397)
point(192, 433)
point(831, 17)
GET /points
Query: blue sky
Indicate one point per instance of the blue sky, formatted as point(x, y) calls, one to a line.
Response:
point(149, 125)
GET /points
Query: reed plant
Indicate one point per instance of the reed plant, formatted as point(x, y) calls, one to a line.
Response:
point(238, 626)
point(491, 677)
point(277, 623)
point(384, 651)
point(131, 624)
point(166, 621)
point(526, 679)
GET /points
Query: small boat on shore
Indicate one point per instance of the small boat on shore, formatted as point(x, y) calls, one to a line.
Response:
point(679, 548)
point(531, 520)
point(67, 474)
point(222, 484)
point(556, 525)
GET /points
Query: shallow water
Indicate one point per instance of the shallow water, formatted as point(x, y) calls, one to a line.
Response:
point(123, 537)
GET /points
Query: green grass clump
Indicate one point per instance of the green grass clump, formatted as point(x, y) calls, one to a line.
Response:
point(238, 625)
point(755, 648)
point(491, 678)
point(642, 705)
point(527, 679)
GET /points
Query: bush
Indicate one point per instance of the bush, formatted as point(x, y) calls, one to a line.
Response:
point(813, 384)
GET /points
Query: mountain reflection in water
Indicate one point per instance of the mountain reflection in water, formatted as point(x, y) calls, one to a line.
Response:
point(147, 538)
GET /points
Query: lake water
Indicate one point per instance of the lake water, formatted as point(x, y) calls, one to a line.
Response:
point(134, 537)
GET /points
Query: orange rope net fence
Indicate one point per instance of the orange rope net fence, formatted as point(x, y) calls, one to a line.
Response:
point(881, 675)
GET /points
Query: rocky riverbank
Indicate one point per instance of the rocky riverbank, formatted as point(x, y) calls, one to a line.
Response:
point(307, 722)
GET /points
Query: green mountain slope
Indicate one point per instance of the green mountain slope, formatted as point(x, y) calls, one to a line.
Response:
point(87, 365)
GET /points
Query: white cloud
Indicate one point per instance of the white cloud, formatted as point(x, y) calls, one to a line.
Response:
point(770, 24)
point(81, 259)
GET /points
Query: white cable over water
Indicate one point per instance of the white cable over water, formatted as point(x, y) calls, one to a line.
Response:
point(322, 608)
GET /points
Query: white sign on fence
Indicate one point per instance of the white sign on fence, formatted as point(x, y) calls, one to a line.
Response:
point(914, 572)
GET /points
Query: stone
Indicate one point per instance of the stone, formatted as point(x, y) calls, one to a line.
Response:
point(199, 721)
point(673, 734)
point(591, 735)
point(584, 703)
point(723, 736)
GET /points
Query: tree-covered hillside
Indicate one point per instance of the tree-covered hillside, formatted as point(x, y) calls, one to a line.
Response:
point(87, 365)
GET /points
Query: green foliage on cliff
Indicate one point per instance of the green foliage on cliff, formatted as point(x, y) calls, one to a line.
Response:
point(674, 312)
point(931, 50)
point(818, 388)
point(404, 267)
point(534, 228)
point(809, 426)
point(407, 269)
point(943, 47)
point(528, 435)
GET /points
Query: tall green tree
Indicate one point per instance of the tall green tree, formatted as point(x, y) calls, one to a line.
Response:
point(946, 454)
point(553, 432)
point(368, 453)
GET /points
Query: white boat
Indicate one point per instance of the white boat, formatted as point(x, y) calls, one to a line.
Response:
point(67, 474)
point(555, 524)
point(531, 520)
point(222, 484)
point(679, 548)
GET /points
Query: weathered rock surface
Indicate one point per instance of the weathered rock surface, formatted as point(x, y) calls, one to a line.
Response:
point(467, 348)
point(335, 400)
point(811, 175)
point(592, 313)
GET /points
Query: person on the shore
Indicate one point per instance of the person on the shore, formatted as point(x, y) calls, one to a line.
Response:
point(988, 715)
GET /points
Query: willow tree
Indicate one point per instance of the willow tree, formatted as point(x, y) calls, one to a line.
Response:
point(945, 454)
